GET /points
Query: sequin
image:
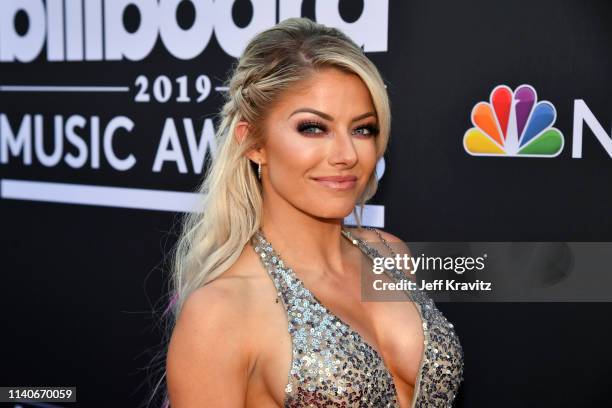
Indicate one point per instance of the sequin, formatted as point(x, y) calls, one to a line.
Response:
point(332, 366)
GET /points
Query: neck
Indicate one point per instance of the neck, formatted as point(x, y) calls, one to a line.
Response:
point(317, 248)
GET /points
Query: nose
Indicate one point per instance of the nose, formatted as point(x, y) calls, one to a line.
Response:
point(342, 149)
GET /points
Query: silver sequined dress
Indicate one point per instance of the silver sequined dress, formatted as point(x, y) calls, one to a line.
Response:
point(332, 365)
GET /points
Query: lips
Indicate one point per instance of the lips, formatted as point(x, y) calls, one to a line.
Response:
point(336, 178)
point(337, 182)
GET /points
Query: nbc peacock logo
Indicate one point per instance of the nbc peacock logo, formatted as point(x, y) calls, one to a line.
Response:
point(514, 124)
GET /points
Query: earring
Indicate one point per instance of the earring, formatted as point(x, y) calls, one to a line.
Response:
point(259, 171)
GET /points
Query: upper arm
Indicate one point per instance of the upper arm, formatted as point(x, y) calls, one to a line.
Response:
point(207, 360)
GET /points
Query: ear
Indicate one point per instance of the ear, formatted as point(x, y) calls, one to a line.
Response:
point(241, 132)
point(256, 154)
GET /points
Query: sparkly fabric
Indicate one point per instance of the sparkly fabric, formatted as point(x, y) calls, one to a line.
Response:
point(332, 366)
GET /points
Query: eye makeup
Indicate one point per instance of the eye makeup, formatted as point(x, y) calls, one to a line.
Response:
point(307, 125)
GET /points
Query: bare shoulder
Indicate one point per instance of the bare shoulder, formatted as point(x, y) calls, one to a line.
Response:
point(208, 355)
point(397, 244)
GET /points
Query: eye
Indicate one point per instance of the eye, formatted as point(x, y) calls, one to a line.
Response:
point(368, 130)
point(311, 127)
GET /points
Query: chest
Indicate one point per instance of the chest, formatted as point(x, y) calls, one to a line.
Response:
point(326, 358)
point(335, 360)
point(400, 339)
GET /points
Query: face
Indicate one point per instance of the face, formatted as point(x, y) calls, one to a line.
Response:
point(324, 129)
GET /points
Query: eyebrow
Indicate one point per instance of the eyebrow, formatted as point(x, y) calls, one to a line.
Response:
point(329, 117)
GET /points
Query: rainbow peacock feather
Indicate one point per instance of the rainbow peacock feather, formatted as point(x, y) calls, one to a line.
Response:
point(514, 124)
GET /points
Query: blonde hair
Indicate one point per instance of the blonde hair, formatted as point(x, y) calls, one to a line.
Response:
point(274, 61)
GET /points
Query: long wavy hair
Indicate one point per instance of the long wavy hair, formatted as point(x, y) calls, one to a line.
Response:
point(274, 61)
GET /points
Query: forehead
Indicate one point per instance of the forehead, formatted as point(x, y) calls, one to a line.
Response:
point(329, 90)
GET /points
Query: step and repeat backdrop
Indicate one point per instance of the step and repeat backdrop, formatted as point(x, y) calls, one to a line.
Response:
point(502, 131)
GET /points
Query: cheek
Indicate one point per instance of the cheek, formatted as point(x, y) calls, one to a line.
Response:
point(367, 154)
point(290, 158)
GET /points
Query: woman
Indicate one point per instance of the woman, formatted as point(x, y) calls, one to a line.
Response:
point(267, 277)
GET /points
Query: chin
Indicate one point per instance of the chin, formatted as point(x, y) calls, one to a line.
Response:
point(335, 212)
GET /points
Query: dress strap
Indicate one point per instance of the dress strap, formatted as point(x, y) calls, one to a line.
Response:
point(373, 252)
point(384, 241)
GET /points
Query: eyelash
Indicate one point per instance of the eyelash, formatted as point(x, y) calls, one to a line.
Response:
point(307, 124)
